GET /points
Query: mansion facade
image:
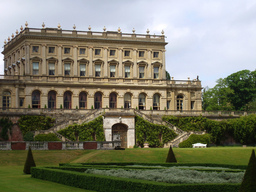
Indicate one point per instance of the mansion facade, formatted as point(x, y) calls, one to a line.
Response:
point(70, 69)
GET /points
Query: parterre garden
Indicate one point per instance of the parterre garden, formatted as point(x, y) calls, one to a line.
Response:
point(84, 169)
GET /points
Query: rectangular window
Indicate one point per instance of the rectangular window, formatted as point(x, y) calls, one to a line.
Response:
point(97, 70)
point(66, 50)
point(35, 68)
point(155, 54)
point(156, 72)
point(112, 52)
point(21, 102)
point(127, 71)
point(82, 51)
point(67, 69)
point(82, 69)
point(97, 52)
point(51, 50)
point(141, 72)
point(192, 104)
point(112, 70)
point(168, 104)
point(127, 53)
point(141, 53)
point(51, 69)
point(35, 49)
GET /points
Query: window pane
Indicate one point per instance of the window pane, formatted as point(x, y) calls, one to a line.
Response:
point(82, 51)
point(82, 69)
point(35, 49)
point(112, 52)
point(66, 50)
point(112, 68)
point(97, 52)
point(126, 53)
point(155, 54)
point(51, 49)
point(35, 65)
point(97, 67)
point(141, 53)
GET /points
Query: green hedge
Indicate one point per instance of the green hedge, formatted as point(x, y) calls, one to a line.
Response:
point(33, 123)
point(206, 138)
point(92, 131)
point(46, 137)
point(125, 164)
point(155, 135)
point(242, 129)
point(114, 184)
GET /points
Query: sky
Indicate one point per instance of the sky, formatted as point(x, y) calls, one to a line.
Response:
point(207, 38)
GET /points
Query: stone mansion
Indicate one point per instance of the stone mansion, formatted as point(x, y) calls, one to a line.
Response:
point(69, 69)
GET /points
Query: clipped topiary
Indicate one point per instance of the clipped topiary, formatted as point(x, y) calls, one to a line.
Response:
point(249, 180)
point(171, 157)
point(29, 162)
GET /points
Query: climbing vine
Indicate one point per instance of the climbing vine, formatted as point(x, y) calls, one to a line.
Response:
point(6, 125)
point(33, 123)
point(155, 135)
point(92, 131)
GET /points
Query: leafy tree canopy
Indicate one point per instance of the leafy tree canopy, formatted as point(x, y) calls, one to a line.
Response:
point(235, 92)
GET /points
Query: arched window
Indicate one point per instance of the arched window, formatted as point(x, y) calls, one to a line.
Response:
point(52, 100)
point(97, 100)
point(156, 102)
point(36, 99)
point(82, 100)
point(6, 100)
point(179, 102)
point(127, 101)
point(67, 100)
point(112, 100)
point(142, 101)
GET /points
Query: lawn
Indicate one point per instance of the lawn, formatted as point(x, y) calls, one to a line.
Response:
point(12, 162)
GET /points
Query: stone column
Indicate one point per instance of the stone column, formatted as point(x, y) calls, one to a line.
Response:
point(44, 67)
point(27, 61)
point(90, 62)
point(135, 63)
point(60, 73)
point(120, 60)
point(75, 67)
point(163, 68)
point(149, 60)
point(172, 103)
point(17, 96)
point(105, 65)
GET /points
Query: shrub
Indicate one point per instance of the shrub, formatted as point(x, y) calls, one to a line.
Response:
point(29, 162)
point(156, 135)
point(6, 125)
point(171, 157)
point(249, 180)
point(195, 139)
point(33, 123)
point(91, 131)
point(46, 137)
point(29, 136)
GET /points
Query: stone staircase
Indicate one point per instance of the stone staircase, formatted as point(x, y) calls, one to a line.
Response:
point(70, 120)
point(182, 135)
point(64, 120)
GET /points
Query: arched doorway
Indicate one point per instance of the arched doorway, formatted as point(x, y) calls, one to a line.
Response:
point(52, 100)
point(119, 132)
point(98, 100)
point(36, 99)
point(112, 101)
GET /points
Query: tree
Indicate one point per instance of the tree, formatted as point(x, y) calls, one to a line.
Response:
point(29, 162)
point(249, 180)
point(216, 98)
point(244, 88)
point(168, 77)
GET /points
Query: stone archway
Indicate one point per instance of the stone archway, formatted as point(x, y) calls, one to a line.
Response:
point(119, 132)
